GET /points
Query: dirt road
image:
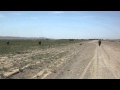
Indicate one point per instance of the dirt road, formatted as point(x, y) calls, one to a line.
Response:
point(74, 61)
point(92, 62)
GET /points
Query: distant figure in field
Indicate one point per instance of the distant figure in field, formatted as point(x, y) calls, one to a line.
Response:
point(8, 43)
point(40, 43)
point(99, 42)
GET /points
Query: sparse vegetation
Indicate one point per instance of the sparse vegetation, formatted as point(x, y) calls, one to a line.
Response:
point(21, 70)
point(22, 46)
point(55, 71)
point(28, 55)
point(1, 76)
point(71, 39)
point(5, 69)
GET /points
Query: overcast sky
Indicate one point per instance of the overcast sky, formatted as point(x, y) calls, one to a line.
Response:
point(61, 24)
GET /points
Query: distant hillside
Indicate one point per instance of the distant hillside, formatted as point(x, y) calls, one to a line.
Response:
point(23, 38)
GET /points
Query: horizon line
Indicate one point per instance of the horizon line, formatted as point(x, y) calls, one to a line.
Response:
point(54, 38)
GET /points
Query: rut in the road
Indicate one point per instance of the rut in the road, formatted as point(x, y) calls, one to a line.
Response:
point(92, 62)
point(76, 65)
point(99, 66)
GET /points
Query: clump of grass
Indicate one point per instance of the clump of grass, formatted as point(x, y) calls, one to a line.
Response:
point(33, 57)
point(54, 71)
point(48, 61)
point(60, 55)
point(22, 77)
point(41, 56)
point(38, 76)
point(2, 76)
point(33, 67)
point(68, 70)
point(5, 69)
point(21, 70)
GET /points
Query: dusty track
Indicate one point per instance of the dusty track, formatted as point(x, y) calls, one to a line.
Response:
point(104, 64)
point(86, 61)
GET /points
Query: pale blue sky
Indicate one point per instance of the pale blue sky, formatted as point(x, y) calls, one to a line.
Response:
point(61, 24)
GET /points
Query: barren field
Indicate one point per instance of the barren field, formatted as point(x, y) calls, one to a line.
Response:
point(77, 60)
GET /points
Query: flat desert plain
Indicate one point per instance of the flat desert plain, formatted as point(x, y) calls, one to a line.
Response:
point(79, 60)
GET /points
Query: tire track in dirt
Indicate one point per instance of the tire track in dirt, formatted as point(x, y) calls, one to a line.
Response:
point(72, 68)
point(104, 69)
point(86, 69)
point(103, 65)
point(111, 63)
point(99, 66)
point(91, 68)
point(94, 68)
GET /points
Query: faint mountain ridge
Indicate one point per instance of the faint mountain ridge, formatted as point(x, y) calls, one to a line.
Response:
point(19, 38)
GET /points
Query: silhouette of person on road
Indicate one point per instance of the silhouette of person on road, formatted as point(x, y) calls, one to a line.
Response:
point(8, 43)
point(99, 42)
point(40, 43)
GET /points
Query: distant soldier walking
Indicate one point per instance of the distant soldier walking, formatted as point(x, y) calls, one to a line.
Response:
point(8, 43)
point(40, 43)
point(99, 42)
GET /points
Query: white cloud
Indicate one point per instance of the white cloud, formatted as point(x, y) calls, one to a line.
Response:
point(58, 12)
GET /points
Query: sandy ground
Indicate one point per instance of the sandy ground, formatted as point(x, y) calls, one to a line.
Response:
point(93, 62)
point(74, 61)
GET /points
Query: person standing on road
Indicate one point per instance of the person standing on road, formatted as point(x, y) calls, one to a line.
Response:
point(40, 43)
point(99, 42)
point(8, 43)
